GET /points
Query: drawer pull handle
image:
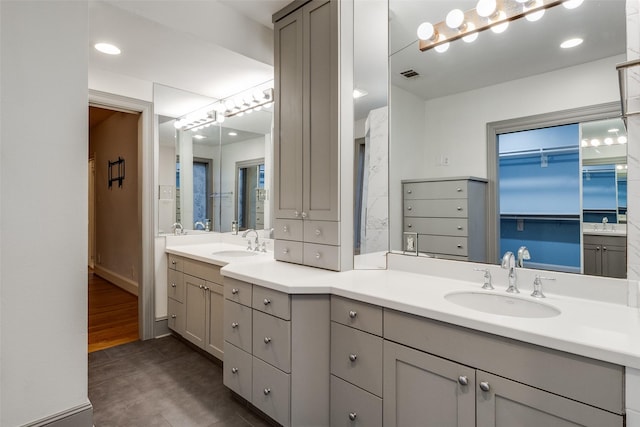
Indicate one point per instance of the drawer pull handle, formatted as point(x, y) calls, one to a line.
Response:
point(318, 232)
point(409, 208)
point(459, 190)
point(267, 340)
point(173, 285)
point(318, 255)
point(604, 248)
point(234, 291)
point(285, 229)
point(353, 357)
point(234, 325)
point(206, 288)
point(459, 208)
point(463, 380)
point(459, 246)
point(409, 226)
point(459, 227)
point(266, 301)
point(173, 262)
point(304, 214)
point(285, 251)
point(353, 314)
point(296, 214)
point(267, 391)
point(484, 386)
point(234, 370)
point(173, 316)
point(409, 191)
point(353, 416)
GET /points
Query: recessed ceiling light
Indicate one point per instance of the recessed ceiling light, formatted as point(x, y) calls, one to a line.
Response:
point(572, 4)
point(199, 136)
point(359, 93)
point(233, 134)
point(568, 44)
point(107, 48)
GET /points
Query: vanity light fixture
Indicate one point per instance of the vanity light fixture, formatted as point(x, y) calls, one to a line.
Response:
point(108, 48)
point(595, 142)
point(585, 143)
point(622, 139)
point(568, 44)
point(248, 103)
point(488, 14)
point(608, 141)
point(199, 136)
point(613, 130)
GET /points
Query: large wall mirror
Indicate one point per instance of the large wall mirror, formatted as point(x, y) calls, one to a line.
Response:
point(443, 104)
point(213, 175)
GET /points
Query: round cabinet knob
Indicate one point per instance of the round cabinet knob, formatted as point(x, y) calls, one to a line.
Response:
point(234, 325)
point(267, 340)
point(304, 214)
point(597, 248)
point(459, 190)
point(318, 255)
point(409, 226)
point(234, 291)
point(266, 391)
point(459, 208)
point(266, 301)
point(206, 288)
point(173, 316)
point(459, 246)
point(318, 232)
point(234, 370)
point(604, 248)
point(353, 314)
point(409, 208)
point(285, 229)
point(353, 357)
point(201, 286)
point(173, 262)
point(484, 386)
point(463, 380)
point(409, 191)
point(296, 214)
point(353, 416)
point(285, 251)
point(459, 227)
point(173, 285)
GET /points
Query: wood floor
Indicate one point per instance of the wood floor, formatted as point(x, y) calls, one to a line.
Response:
point(113, 314)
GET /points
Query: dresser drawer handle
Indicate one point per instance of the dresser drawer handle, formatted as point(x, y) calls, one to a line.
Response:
point(484, 386)
point(234, 325)
point(173, 316)
point(266, 301)
point(409, 226)
point(409, 208)
point(459, 190)
point(409, 191)
point(459, 208)
point(234, 370)
point(459, 227)
point(285, 251)
point(266, 391)
point(353, 357)
point(267, 340)
point(353, 416)
point(285, 229)
point(463, 380)
point(459, 246)
point(318, 255)
point(318, 232)
point(173, 262)
point(235, 291)
point(353, 314)
point(173, 285)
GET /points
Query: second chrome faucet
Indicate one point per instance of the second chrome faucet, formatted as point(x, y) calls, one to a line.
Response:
point(509, 262)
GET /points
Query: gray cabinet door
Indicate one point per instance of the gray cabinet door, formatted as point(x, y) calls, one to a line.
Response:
point(425, 390)
point(504, 403)
point(320, 119)
point(215, 311)
point(195, 303)
point(614, 261)
point(287, 161)
point(592, 261)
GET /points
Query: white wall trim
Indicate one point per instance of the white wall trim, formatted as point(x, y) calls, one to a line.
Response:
point(146, 186)
point(117, 279)
point(78, 416)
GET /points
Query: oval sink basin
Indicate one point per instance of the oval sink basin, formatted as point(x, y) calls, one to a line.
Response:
point(235, 253)
point(503, 305)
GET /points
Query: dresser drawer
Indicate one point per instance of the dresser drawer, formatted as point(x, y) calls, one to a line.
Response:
point(238, 325)
point(237, 291)
point(322, 256)
point(445, 245)
point(175, 316)
point(203, 270)
point(272, 340)
point(175, 285)
point(287, 250)
point(440, 226)
point(272, 302)
point(237, 370)
point(351, 406)
point(323, 232)
point(287, 229)
point(450, 208)
point(271, 391)
point(359, 315)
point(356, 357)
point(436, 190)
point(175, 262)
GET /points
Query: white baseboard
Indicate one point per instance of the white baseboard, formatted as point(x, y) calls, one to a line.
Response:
point(117, 279)
point(79, 416)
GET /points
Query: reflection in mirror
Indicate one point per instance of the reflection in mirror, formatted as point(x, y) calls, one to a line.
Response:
point(441, 104)
point(250, 194)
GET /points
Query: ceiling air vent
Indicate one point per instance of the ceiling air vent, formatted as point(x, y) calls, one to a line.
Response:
point(410, 74)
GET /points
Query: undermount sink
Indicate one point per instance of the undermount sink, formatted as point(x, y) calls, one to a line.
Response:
point(235, 253)
point(503, 305)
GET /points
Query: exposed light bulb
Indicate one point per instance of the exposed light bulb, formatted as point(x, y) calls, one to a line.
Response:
point(455, 19)
point(500, 28)
point(471, 37)
point(177, 124)
point(568, 44)
point(486, 8)
point(426, 31)
point(572, 4)
point(595, 142)
point(622, 139)
point(442, 47)
point(220, 118)
point(534, 16)
point(608, 141)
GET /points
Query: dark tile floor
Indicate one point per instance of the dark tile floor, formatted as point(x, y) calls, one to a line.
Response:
point(162, 382)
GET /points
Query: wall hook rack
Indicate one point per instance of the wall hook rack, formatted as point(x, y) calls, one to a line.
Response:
point(118, 165)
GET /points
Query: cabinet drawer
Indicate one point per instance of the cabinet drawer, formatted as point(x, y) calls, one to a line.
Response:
point(287, 229)
point(443, 245)
point(175, 316)
point(175, 262)
point(439, 226)
point(203, 270)
point(450, 208)
point(591, 239)
point(323, 232)
point(237, 370)
point(272, 302)
point(287, 250)
point(322, 256)
point(271, 392)
point(238, 291)
point(238, 324)
point(436, 190)
point(351, 406)
point(356, 357)
point(272, 340)
point(359, 315)
point(175, 285)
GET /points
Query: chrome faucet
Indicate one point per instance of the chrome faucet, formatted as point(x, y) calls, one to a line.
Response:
point(605, 221)
point(509, 263)
point(177, 228)
point(257, 241)
point(199, 223)
point(523, 254)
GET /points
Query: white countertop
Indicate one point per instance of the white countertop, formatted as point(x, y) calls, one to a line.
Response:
point(605, 331)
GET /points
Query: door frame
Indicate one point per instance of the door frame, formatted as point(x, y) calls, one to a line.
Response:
point(147, 159)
